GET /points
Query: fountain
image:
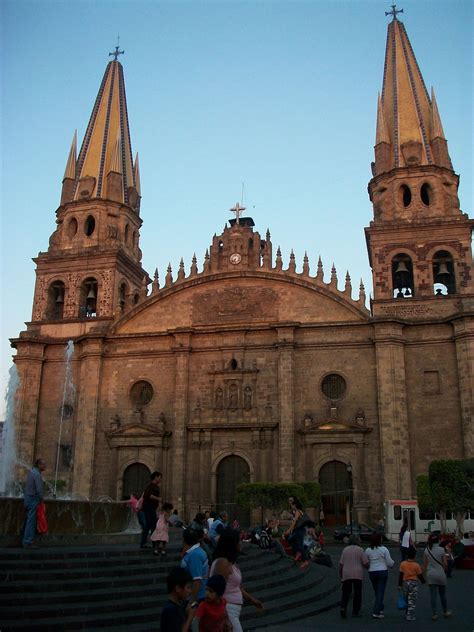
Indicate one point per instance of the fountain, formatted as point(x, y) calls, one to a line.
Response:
point(69, 517)
point(69, 392)
point(8, 460)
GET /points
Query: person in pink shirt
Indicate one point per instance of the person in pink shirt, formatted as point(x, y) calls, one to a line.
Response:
point(351, 570)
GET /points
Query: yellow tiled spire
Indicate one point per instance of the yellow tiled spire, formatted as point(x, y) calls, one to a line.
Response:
point(106, 146)
point(411, 118)
point(70, 171)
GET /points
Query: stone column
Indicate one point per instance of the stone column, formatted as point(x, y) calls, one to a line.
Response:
point(464, 340)
point(393, 416)
point(176, 486)
point(286, 429)
point(90, 358)
point(29, 363)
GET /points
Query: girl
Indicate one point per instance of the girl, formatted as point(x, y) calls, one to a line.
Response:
point(410, 574)
point(296, 531)
point(160, 535)
point(379, 563)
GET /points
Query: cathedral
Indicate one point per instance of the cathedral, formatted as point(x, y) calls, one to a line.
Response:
point(242, 369)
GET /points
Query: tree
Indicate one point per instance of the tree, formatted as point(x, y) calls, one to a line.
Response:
point(274, 496)
point(450, 482)
point(423, 493)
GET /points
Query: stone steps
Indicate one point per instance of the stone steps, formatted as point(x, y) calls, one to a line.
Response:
point(123, 588)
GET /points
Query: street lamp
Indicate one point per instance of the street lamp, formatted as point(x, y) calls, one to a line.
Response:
point(349, 476)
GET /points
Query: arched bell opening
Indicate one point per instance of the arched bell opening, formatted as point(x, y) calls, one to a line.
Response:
point(444, 280)
point(402, 276)
point(88, 298)
point(123, 294)
point(55, 309)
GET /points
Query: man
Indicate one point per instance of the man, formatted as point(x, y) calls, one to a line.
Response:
point(217, 527)
point(33, 496)
point(351, 570)
point(151, 502)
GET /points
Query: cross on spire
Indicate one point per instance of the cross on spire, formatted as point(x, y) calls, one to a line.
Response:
point(117, 51)
point(238, 211)
point(394, 11)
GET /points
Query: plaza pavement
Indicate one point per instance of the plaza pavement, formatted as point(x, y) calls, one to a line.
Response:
point(460, 596)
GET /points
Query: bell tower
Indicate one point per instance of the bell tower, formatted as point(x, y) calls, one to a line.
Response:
point(419, 241)
point(92, 268)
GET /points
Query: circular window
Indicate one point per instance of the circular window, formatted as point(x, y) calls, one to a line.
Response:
point(141, 393)
point(72, 228)
point(89, 226)
point(333, 386)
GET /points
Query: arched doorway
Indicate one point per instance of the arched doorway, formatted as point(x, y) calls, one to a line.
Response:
point(335, 492)
point(232, 471)
point(135, 479)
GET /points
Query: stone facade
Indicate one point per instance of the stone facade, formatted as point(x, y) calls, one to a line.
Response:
point(246, 364)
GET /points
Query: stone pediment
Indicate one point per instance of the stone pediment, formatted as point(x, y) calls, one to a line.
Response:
point(333, 425)
point(226, 298)
point(136, 434)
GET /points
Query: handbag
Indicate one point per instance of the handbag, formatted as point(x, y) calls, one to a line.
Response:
point(41, 521)
point(402, 603)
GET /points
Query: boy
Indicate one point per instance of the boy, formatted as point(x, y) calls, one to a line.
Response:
point(175, 617)
point(211, 613)
point(410, 573)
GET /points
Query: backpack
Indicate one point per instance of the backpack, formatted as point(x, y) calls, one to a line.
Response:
point(264, 542)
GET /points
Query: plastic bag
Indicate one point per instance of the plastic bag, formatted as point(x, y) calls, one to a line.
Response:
point(41, 521)
point(402, 602)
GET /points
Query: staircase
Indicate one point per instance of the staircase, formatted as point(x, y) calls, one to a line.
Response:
point(121, 587)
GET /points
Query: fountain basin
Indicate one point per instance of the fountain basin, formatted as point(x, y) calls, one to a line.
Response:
point(74, 517)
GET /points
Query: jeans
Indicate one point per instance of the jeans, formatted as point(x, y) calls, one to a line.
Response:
point(30, 523)
point(296, 540)
point(379, 581)
point(436, 588)
point(347, 585)
point(149, 524)
point(233, 612)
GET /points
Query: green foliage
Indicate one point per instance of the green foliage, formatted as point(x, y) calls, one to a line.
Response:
point(274, 496)
point(423, 493)
point(449, 484)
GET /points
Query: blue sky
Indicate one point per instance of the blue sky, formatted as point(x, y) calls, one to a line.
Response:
point(280, 95)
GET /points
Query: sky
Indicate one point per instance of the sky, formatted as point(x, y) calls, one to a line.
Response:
point(280, 95)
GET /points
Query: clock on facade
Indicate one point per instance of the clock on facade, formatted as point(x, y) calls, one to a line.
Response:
point(235, 258)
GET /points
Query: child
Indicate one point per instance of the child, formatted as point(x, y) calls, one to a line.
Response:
point(160, 535)
point(175, 617)
point(410, 573)
point(212, 613)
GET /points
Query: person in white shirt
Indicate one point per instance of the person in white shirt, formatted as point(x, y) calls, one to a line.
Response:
point(405, 541)
point(379, 563)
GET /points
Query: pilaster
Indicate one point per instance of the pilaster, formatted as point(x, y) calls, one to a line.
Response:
point(29, 362)
point(393, 416)
point(90, 358)
point(464, 341)
point(286, 457)
point(177, 485)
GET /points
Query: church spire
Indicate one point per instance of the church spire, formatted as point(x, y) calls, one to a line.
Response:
point(406, 113)
point(106, 147)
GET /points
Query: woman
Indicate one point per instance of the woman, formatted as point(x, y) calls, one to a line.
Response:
point(434, 569)
point(379, 563)
point(296, 531)
point(405, 541)
point(225, 564)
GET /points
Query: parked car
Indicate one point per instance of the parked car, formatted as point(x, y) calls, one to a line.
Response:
point(361, 530)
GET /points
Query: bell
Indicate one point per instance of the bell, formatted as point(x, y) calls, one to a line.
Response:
point(407, 292)
point(443, 270)
point(399, 294)
point(59, 295)
point(91, 292)
point(401, 267)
